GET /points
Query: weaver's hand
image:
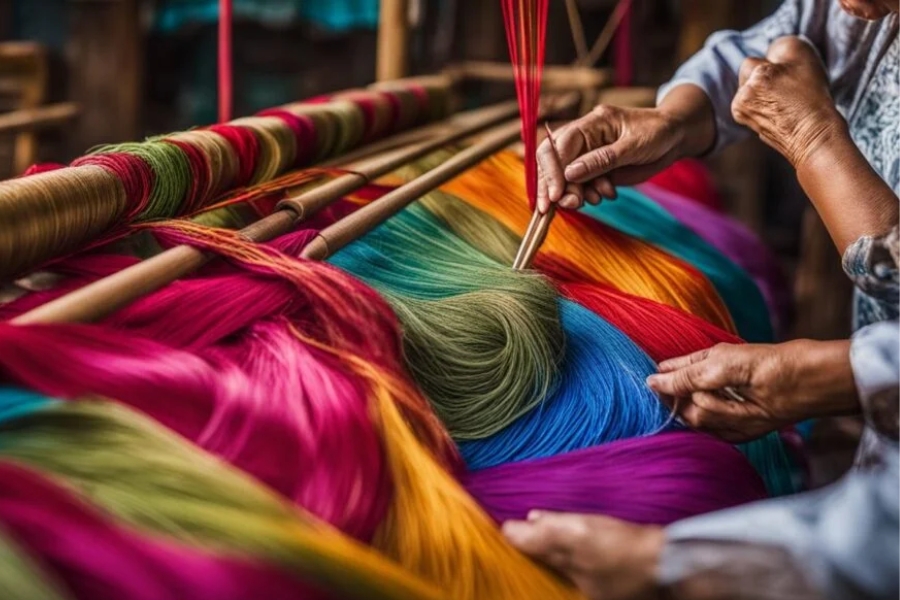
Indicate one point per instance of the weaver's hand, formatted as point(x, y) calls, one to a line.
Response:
point(605, 558)
point(630, 143)
point(622, 146)
point(785, 99)
point(782, 384)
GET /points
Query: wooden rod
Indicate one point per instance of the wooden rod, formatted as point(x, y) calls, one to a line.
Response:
point(365, 219)
point(105, 296)
point(363, 173)
point(393, 39)
point(31, 119)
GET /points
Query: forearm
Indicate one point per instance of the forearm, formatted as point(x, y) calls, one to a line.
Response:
point(824, 379)
point(690, 108)
point(852, 200)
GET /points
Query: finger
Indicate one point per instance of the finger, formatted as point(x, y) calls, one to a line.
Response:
point(599, 162)
point(591, 196)
point(792, 48)
point(702, 376)
point(573, 197)
point(693, 416)
point(715, 404)
point(747, 67)
point(551, 171)
point(605, 188)
point(543, 199)
point(549, 538)
point(570, 202)
point(682, 361)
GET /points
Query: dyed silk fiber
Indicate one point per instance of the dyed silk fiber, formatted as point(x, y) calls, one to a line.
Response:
point(277, 427)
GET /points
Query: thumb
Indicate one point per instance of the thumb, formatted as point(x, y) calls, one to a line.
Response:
point(600, 161)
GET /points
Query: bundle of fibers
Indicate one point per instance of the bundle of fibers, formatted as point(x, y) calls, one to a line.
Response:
point(603, 254)
point(21, 577)
point(95, 558)
point(636, 215)
point(660, 330)
point(736, 242)
point(433, 528)
point(690, 178)
point(601, 397)
point(484, 343)
point(212, 358)
point(60, 211)
point(150, 480)
point(657, 479)
point(286, 415)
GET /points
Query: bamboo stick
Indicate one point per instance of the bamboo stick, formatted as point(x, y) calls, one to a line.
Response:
point(105, 296)
point(368, 217)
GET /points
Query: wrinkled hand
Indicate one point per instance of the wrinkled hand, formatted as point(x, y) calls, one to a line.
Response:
point(608, 145)
point(782, 384)
point(605, 558)
point(785, 99)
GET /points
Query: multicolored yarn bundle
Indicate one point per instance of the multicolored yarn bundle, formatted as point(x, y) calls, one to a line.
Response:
point(283, 428)
point(56, 212)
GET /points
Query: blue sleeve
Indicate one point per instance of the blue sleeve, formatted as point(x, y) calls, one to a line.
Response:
point(714, 69)
point(839, 542)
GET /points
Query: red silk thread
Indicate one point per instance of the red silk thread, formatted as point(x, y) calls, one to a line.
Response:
point(525, 22)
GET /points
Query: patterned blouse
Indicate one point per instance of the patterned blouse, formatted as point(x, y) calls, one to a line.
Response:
point(843, 541)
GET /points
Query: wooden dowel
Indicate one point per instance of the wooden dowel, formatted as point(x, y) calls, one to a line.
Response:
point(105, 296)
point(368, 217)
point(535, 238)
point(523, 243)
point(32, 119)
point(393, 39)
point(363, 173)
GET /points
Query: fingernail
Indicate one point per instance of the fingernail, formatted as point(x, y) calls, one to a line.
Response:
point(652, 380)
point(575, 171)
point(534, 515)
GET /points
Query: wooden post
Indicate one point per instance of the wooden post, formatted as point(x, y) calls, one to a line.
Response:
point(105, 53)
point(24, 65)
point(393, 39)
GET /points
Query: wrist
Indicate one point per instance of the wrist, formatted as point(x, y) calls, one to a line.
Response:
point(824, 144)
point(691, 118)
point(823, 378)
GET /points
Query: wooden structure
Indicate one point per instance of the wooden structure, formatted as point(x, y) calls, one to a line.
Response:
point(23, 90)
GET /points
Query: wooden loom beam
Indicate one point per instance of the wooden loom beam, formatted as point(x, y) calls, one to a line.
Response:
point(103, 297)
